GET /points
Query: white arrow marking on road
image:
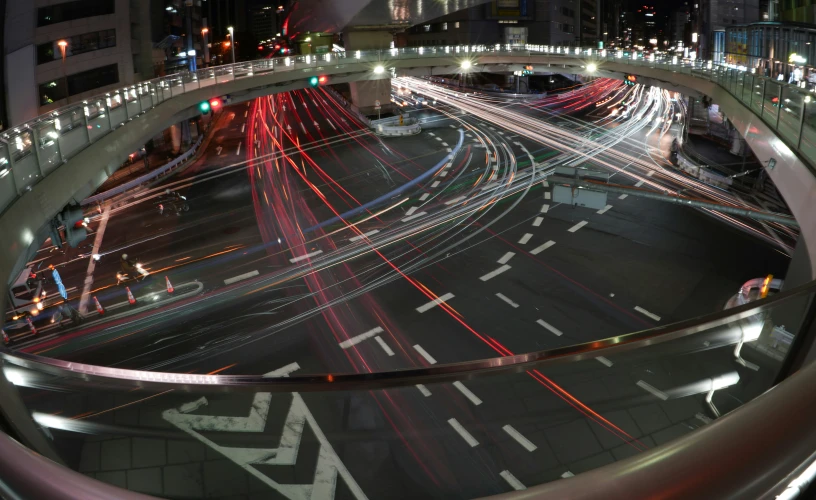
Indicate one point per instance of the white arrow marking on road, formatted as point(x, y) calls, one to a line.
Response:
point(218, 150)
point(359, 338)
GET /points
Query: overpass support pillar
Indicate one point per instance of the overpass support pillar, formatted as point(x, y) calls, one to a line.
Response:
point(365, 93)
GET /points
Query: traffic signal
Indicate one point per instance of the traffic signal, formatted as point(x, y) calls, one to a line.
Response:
point(75, 222)
point(314, 81)
point(528, 70)
point(214, 103)
point(204, 107)
point(630, 79)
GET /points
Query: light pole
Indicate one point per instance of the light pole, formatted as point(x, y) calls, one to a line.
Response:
point(232, 45)
point(204, 32)
point(62, 45)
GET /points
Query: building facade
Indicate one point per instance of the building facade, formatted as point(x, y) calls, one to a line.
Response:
point(717, 15)
point(772, 48)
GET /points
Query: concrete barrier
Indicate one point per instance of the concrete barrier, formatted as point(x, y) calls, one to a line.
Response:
point(410, 126)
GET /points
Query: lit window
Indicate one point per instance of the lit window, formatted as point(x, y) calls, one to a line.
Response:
point(427, 28)
point(456, 25)
point(444, 26)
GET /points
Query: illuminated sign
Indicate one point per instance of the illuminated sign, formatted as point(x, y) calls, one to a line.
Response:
point(796, 59)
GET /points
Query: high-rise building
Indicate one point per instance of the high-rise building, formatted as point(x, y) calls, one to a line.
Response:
point(716, 15)
point(262, 22)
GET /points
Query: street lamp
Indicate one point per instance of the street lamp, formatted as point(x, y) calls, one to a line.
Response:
point(591, 67)
point(63, 45)
point(466, 64)
point(232, 44)
point(379, 70)
point(204, 32)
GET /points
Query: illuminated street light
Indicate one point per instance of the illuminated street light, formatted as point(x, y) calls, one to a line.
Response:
point(592, 67)
point(466, 64)
point(232, 43)
point(379, 70)
point(63, 45)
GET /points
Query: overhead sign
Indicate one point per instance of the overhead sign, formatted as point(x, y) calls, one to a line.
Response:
point(377, 104)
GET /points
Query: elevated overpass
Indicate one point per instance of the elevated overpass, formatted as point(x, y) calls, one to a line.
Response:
point(68, 154)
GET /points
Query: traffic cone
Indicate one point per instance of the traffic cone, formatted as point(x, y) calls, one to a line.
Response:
point(170, 288)
point(31, 325)
point(131, 298)
point(98, 306)
point(5, 337)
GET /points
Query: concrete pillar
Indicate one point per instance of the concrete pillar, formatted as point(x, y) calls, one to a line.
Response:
point(175, 136)
point(365, 93)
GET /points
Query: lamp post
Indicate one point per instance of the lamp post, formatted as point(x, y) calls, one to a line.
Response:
point(204, 32)
point(62, 45)
point(232, 45)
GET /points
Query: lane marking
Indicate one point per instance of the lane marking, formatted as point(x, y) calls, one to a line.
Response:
point(464, 433)
point(449, 150)
point(424, 197)
point(439, 139)
point(512, 481)
point(623, 196)
point(424, 390)
point(431, 134)
point(240, 277)
point(549, 327)
point(468, 393)
point(524, 239)
point(541, 248)
point(650, 173)
point(547, 195)
point(308, 255)
point(545, 184)
point(455, 200)
point(604, 361)
point(494, 273)
point(653, 390)
point(303, 127)
point(507, 300)
point(578, 226)
point(647, 313)
point(359, 338)
point(412, 217)
point(384, 346)
point(238, 151)
point(443, 173)
point(245, 113)
point(364, 235)
point(411, 210)
point(567, 475)
point(538, 220)
point(436, 183)
point(604, 209)
point(520, 439)
point(434, 303)
point(639, 183)
point(243, 127)
point(444, 143)
point(545, 209)
point(425, 354)
point(506, 257)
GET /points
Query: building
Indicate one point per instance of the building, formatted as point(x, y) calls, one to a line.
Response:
point(772, 48)
point(263, 22)
point(715, 16)
point(64, 51)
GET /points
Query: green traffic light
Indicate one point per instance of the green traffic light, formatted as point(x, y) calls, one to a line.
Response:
point(204, 106)
point(313, 81)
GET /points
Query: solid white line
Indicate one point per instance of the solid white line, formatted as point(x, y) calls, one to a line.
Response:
point(468, 394)
point(238, 151)
point(506, 299)
point(434, 303)
point(524, 239)
point(538, 220)
point(604, 209)
point(623, 196)
point(639, 183)
point(411, 210)
point(424, 197)
point(455, 200)
point(506, 257)
point(436, 183)
point(384, 346)
point(357, 238)
point(647, 313)
point(655, 392)
point(424, 390)
point(462, 432)
point(243, 127)
point(541, 248)
point(604, 361)
point(578, 226)
point(240, 277)
point(545, 209)
point(359, 338)
point(494, 273)
point(415, 216)
point(308, 255)
point(547, 195)
point(550, 327)
point(512, 481)
point(425, 354)
point(528, 445)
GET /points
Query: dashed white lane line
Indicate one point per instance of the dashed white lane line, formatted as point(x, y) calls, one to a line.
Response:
point(424, 197)
point(538, 220)
point(545, 184)
point(506, 257)
point(494, 273)
point(245, 113)
point(359, 338)
point(238, 151)
point(384, 346)
point(452, 126)
point(653, 390)
point(443, 173)
point(524, 239)
point(444, 143)
point(307, 256)
point(650, 173)
point(434, 303)
point(411, 210)
point(449, 150)
point(512, 481)
point(412, 217)
point(549, 327)
point(439, 139)
point(243, 127)
point(430, 359)
point(604, 361)
point(520, 439)
point(436, 183)
point(464, 433)
point(366, 235)
point(638, 184)
point(431, 134)
point(623, 196)
point(547, 195)
point(537, 250)
point(303, 127)
point(647, 313)
point(455, 200)
point(604, 209)
point(467, 393)
point(424, 390)
point(578, 226)
point(506, 299)
point(545, 209)
point(567, 475)
point(240, 277)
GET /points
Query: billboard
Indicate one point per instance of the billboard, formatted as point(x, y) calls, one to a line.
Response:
point(510, 9)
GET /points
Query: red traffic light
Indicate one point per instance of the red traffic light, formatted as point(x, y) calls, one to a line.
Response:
point(214, 103)
point(322, 79)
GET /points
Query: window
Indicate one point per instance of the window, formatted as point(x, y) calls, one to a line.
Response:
point(77, 44)
point(54, 90)
point(426, 28)
point(69, 11)
point(456, 25)
point(566, 11)
point(444, 26)
point(567, 28)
